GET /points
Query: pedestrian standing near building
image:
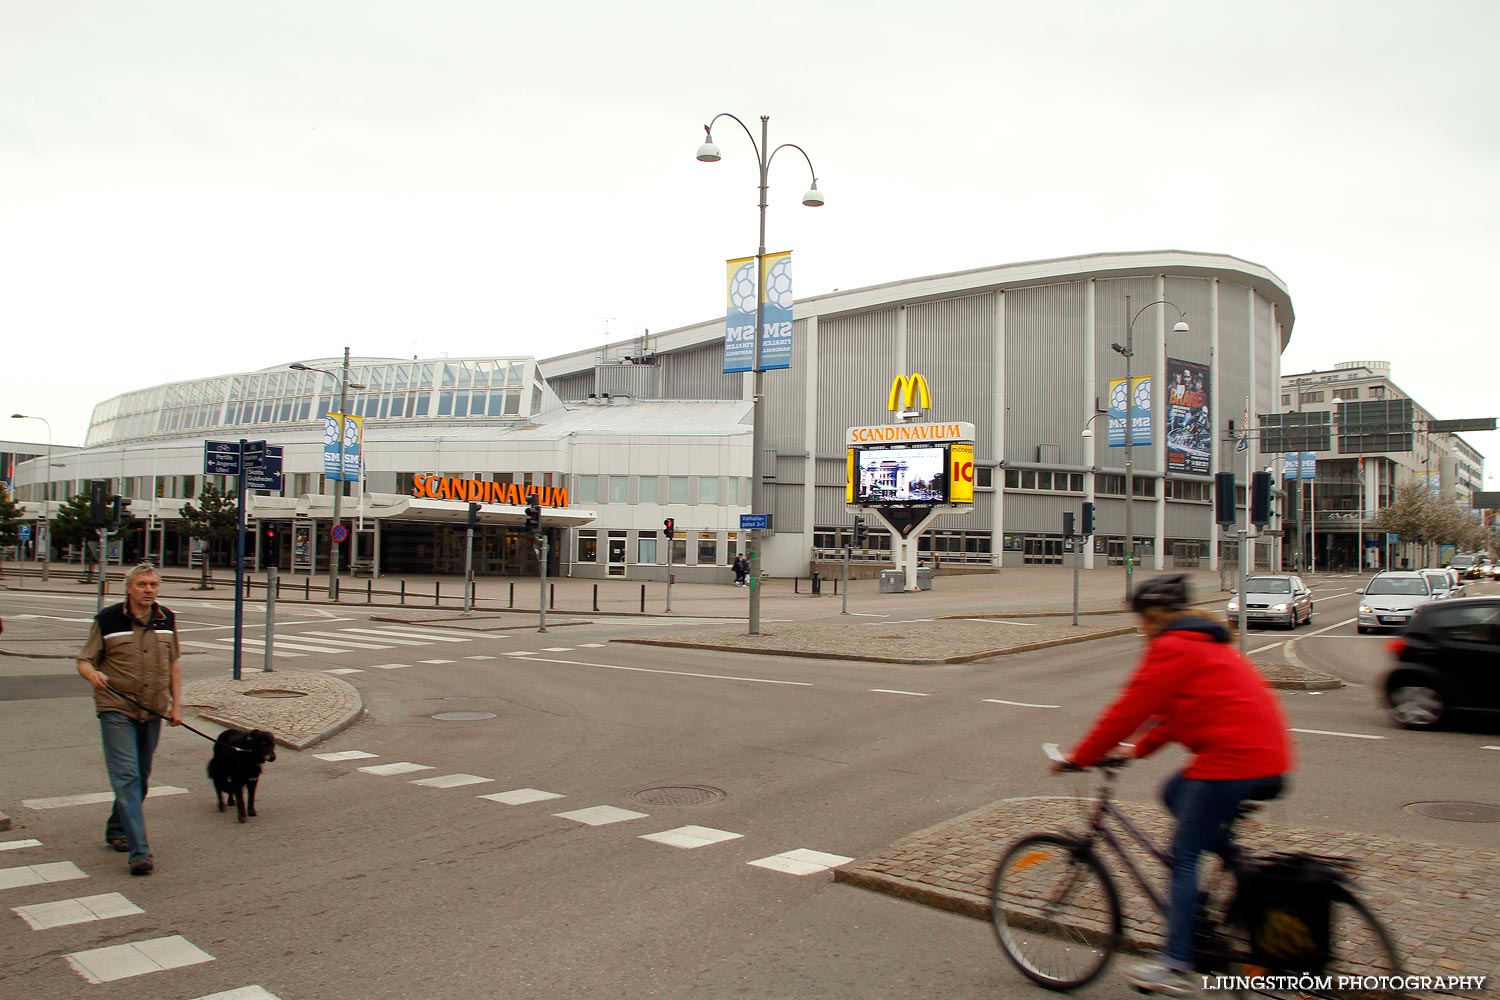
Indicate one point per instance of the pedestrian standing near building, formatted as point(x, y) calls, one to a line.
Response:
point(132, 650)
point(741, 570)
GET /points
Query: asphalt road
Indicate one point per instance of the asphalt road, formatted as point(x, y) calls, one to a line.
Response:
point(354, 885)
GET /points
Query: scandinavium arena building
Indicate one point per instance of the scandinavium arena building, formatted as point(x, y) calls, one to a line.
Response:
point(611, 442)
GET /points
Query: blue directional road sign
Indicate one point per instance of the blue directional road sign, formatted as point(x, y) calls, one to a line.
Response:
point(221, 458)
point(755, 522)
point(267, 474)
point(255, 453)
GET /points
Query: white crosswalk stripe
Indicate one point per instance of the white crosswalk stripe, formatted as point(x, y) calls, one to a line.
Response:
point(280, 644)
point(389, 638)
point(84, 909)
point(333, 639)
point(229, 649)
point(122, 961)
point(412, 634)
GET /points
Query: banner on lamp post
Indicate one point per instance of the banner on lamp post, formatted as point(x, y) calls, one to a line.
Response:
point(342, 453)
point(743, 290)
point(1140, 411)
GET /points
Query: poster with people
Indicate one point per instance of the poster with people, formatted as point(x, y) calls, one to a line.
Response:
point(1190, 427)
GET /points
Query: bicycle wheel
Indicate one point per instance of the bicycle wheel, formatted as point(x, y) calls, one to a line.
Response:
point(1055, 910)
point(1362, 957)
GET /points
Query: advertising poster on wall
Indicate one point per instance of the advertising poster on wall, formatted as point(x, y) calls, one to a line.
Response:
point(1190, 426)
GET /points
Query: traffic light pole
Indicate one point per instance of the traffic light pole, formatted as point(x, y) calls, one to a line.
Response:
point(848, 553)
point(239, 564)
point(541, 602)
point(272, 586)
point(469, 569)
point(1078, 545)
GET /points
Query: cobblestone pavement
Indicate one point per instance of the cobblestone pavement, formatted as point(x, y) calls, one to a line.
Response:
point(1441, 902)
point(299, 708)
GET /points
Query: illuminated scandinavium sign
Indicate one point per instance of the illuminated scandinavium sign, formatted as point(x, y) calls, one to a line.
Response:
point(953, 430)
point(427, 487)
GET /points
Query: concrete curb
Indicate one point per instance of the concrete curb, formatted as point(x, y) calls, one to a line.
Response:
point(869, 658)
point(327, 706)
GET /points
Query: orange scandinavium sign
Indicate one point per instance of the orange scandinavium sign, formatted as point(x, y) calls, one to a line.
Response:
point(425, 487)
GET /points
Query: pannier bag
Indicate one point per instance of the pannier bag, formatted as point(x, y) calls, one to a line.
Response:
point(1285, 902)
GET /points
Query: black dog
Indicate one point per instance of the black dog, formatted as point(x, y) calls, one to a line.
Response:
point(235, 768)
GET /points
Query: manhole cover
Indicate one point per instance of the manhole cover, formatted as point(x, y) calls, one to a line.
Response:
point(463, 716)
point(679, 795)
point(1458, 812)
point(274, 693)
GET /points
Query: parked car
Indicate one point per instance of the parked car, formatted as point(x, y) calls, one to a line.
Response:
point(1447, 661)
point(1445, 583)
point(1274, 599)
point(1390, 598)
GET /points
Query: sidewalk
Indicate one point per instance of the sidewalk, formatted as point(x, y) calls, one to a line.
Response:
point(1439, 901)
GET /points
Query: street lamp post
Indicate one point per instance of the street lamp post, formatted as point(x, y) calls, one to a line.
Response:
point(338, 491)
point(46, 538)
point(709, 153)
point(1128, 352)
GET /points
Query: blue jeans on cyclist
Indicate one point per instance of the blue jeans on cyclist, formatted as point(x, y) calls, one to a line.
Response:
point(1205, 811)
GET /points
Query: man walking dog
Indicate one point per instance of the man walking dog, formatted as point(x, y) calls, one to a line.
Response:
point(132, 649)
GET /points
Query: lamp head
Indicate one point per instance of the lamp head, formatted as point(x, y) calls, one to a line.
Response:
point(814, 197)
point(1181, 326)
point(708, 152)
point(1118, 349)
point(18, 416)
point(356, 385)
point(1088, 432)
point(299, 367)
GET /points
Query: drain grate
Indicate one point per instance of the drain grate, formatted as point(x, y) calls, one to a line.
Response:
point(1457, 812)
point(463, 716)
point(679, 795)
point(274, 693)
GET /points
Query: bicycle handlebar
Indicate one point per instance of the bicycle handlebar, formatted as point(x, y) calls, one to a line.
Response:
point(1054, 753)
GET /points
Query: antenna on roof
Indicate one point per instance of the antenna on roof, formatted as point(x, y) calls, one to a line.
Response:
point(604, 352)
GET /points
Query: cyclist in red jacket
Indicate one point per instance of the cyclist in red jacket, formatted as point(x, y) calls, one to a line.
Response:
point(1195, 688)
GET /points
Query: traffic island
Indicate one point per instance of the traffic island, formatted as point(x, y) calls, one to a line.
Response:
point(298, 708)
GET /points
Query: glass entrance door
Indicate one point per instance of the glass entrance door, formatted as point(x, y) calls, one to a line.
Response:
point(616, 555)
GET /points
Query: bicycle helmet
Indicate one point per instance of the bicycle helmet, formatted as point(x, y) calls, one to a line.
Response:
point(1169, 591)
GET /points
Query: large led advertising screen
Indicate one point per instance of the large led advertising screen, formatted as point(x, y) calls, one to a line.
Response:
point(901, 475)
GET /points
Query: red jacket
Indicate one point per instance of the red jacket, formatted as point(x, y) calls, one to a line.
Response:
point(1203, 693)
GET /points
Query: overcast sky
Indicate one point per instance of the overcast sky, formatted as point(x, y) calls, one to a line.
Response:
point(192, 188)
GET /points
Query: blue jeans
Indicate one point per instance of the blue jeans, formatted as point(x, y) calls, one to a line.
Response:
point(1204, 811)
point(128, 749)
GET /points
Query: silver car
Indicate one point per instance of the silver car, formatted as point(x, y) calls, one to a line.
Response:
point(1444, 583)
point(1388, 600)
point(1274, 599)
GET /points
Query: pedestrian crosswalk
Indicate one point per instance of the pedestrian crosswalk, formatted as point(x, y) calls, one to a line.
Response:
point(107, 963)
point(337, 642)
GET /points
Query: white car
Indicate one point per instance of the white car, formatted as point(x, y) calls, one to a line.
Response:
point(1389, 600)
point(1444, 583)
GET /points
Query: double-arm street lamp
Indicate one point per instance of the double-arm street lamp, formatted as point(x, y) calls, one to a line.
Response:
point(764, 154)
point(1128, 352)
point(46, 539)
point(338, 491)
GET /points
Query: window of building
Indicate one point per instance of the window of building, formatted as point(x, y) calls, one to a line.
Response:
point(708, 548)
point(1286, 399)
point(1109, 485)
point(649, 489)
point(1012, 479)
point(1377, 392)
point(1145, 487)
point(587, 490)
point(646, 545)
point(588, 546)
point(1028, 480)
point(731, 544)
point(1075, 482)
point(734, 492)
point(679, 551)
point(619, 489)
point(1044, 480)
point(984, 478)
point(677, 489)
point(1312, 396)
point(708, 489)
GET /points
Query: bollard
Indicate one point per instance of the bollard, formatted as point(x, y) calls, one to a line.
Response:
point(643, 598)
point(473, 595)
point(437, 589)
point(835, 586)
point(551, 597)
point(369, 590)
point(796, 584)
point(307, 587)
point(596, 597)
point(513, 594)
point(403, 590)
point(817, 585)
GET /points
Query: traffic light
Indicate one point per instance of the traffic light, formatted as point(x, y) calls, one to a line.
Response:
point(1224, 498)
point(669, 528)
point(1260, 499)
point(859, 531)
point(474, 516)
point(534, 518)
point(116, 510)
point(270, 546)
point(98, 504)
point(1067, 524)
point(1088, 519)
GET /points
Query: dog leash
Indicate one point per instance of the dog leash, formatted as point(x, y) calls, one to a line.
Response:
point(184, 725)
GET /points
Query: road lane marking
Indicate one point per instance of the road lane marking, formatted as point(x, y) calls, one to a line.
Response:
point(344, 670)
point(1018, 704)
point(1330, 732)
point(451, 781)
point(57, 871)
point(256, 992)
point(1489, 748)
point(1002, 621)
point(521, 796)
point(16, 845)
point(345, 755)
point(122, 961)
point(601, 815)
point(914, 694)
point(92, 798)
point(530, 658)
point(400, 767)
point(800, 862)
point(334, 639)
point(81, 910)
point(406, 633)
point(689, 837)
point(385, 637)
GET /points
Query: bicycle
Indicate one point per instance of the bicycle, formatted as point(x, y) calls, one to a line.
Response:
point(1056, 910)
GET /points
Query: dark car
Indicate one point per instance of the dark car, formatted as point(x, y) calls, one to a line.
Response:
point(1447, 661)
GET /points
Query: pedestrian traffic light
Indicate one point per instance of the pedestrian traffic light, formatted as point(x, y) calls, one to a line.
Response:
point(474, 516)
point(669, 528)
point(270, 546)
point(1088, 519)
point(1260, 499)
point(98, 504)
point(116, 510)
point(534, 518)
point(859, 531)
point(1224, 499)
point(1067, 524)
